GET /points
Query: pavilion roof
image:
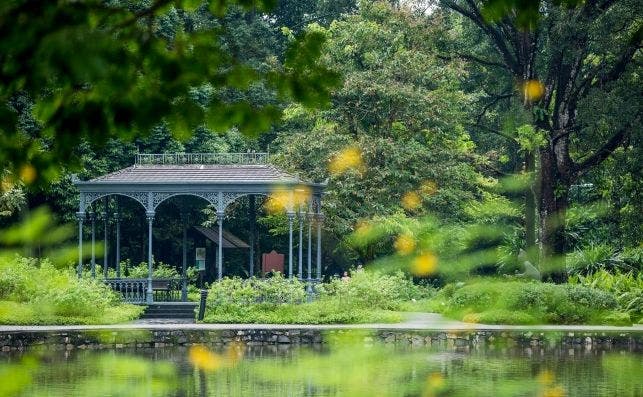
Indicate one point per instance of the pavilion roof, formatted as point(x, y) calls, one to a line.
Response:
point(198, 173)
point(198, 168)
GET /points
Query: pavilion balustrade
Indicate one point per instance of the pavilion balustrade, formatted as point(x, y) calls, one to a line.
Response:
point(134, 290)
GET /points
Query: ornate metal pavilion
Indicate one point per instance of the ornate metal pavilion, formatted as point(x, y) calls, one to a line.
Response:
point(218, 178)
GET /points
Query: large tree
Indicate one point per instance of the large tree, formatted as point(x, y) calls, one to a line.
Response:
point(576, 71)
point(393, 140)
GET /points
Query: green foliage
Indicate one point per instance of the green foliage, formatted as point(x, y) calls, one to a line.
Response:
point(521, 302)
point(626, 287)
point(375, 290)
point(598, 257)
point(401, 109)
point(365, 298)
point(97, 71)
point(275, 290)
point(35, 292)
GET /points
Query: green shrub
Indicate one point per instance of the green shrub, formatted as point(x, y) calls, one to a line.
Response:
point(526, 302)
point(366, 297)
point(374, 290)
point(627, 288)
point(160, 269)
point(35, 292)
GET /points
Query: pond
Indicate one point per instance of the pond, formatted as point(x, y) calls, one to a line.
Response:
point(350, 365)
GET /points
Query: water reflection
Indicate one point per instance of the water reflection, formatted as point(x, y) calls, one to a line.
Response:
point(351, 365)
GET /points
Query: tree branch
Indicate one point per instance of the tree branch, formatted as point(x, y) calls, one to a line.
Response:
point(475, 59)
point(603, 152)
point(493, 131)
point(494, 99)
point(496, 37)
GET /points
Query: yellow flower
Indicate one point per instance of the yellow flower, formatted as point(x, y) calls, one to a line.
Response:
point(435, 380)
point(404, 244)
point(301, 196)
point(204, 359)
point(411, 201)
point(28, 173)
point(545, 377)
point(533, 90)
point(362, 229)
point(429, 188)
point(556, 391)
point(424, 264)
point(349, 158)
point(277, 201)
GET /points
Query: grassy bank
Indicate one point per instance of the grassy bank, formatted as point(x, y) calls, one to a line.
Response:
point(34, 292)
point(499, 301)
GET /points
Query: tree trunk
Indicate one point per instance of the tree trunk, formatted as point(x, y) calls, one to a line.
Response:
point(553, 192)
point(530, 210)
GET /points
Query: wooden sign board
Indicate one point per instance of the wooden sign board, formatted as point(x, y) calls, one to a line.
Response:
point(272, 262)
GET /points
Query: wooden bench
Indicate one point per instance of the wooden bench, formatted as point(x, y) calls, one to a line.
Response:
point(166, 287)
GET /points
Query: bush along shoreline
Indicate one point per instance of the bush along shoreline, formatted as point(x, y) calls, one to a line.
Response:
point(371, 297)
point(34, 292)
point(518, 302)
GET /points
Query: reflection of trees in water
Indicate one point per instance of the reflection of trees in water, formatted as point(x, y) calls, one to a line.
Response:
point(347, 367)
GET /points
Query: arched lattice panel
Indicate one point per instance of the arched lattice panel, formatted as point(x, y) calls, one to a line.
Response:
point(87, 198)
point(210, 197)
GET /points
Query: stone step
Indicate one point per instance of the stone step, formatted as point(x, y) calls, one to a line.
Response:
point(165, 315)
point(178, 310)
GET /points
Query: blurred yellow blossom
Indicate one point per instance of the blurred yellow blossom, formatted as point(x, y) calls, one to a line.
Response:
point(28, 173)
point(404, 244)
point(411, 201)
point(533, 90)
point(555, 391)
point(349, 158)
point(424, 264)
point(429, 188)
point(435, 380)
point(362, 229)
point(434, 383)
point(6, 184)
point(301, 195)
point(282, 199)
point(277, 201)
point(545, 377)
point(204, 359)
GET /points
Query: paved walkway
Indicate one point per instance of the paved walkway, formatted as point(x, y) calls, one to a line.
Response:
point(414, 321)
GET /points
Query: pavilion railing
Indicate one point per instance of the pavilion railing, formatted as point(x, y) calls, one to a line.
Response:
point(202, 158)
point(133, 290)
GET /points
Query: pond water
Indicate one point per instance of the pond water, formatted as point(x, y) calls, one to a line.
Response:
point(347, 366)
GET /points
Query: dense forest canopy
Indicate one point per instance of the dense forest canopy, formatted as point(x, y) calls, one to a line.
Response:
point(436, 109)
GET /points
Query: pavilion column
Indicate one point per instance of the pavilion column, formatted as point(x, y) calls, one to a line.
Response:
point(320, 220)
point(300, 255)
point(220, 247)
point(80, 216)
point(117, 254)
point(291, 216)
point(184, 264)
point(105, 221)
point(252, 219)
point(309, 218)
point(149, 296)
point(92, 217)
